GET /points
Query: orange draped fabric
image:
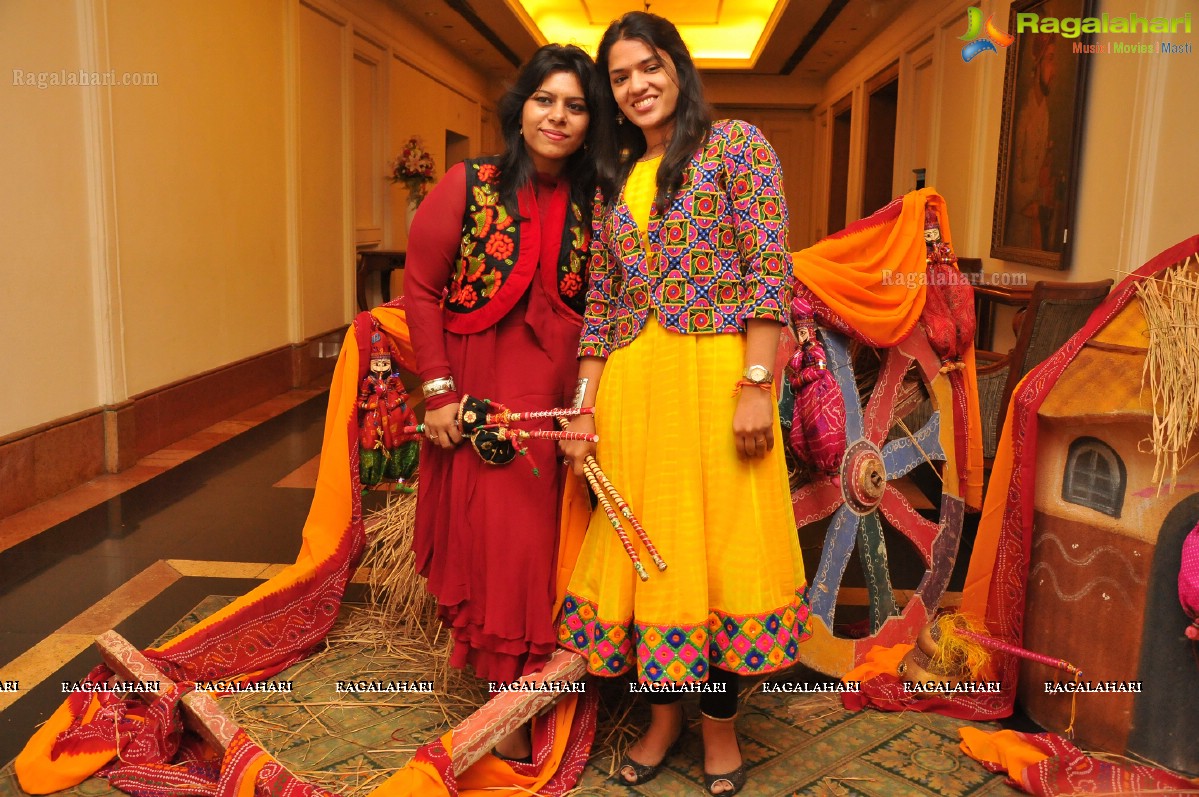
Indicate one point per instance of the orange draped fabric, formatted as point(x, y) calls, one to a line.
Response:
point(866, 272)
point(1048, 765)
point(872, 276)
point(1006, 751)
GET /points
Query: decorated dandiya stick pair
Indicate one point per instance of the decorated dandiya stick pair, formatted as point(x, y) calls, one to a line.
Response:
point(607, 494)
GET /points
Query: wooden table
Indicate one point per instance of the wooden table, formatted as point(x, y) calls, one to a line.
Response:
point(381, 262)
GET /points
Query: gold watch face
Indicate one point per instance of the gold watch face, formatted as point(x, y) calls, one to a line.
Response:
point(757, 373)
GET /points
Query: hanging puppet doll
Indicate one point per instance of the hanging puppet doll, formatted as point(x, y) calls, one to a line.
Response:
point(385, 451)
point(948, 315)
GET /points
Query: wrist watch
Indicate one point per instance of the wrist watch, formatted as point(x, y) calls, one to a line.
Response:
point(758, 374)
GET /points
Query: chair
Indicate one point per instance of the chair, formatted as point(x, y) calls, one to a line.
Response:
point(381, 262)
point(1055, 311)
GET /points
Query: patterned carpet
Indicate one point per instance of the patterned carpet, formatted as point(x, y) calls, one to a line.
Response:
point(794, 745)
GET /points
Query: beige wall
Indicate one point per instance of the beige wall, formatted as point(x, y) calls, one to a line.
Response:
point(154, 232)
point(1137, 159)
point(49, 320)
point(198, 185)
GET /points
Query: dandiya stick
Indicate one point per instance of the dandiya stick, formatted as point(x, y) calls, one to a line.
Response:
point(617, 526)
point(507, 416)
point(540, 434)
point(623, 506)
point(591, 467)
point(1007, 647)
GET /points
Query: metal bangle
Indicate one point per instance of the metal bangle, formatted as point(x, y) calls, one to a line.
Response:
point(435, 387)
point(580, 392)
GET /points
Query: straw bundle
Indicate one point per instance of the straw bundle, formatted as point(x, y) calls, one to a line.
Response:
point(397, 592)
point(1170, 303)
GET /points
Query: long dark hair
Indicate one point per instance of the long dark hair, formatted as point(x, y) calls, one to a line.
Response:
point(615, 154)
point(516, 166)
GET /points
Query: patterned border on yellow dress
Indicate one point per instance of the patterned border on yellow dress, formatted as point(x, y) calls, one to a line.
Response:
point(750, 644)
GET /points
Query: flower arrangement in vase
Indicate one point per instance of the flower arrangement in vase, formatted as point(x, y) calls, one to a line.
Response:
point(414, 168)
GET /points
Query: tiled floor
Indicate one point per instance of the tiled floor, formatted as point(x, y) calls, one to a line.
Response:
point(214, 513)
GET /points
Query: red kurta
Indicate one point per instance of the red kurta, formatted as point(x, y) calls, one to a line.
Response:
point(485, 535)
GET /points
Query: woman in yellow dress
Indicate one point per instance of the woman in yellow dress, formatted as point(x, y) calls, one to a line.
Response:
point(690, 279)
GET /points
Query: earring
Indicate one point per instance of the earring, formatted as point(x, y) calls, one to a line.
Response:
point(619, 118)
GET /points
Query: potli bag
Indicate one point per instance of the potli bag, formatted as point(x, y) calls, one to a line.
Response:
point(487, 424)
point(1188, 582)
point(818, 419)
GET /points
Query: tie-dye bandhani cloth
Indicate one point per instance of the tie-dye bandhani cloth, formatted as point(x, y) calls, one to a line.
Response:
point(1047, 765)
point(141, 748)
point(998, 573)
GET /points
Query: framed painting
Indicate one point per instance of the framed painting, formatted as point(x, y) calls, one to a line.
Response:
point(1044, 93)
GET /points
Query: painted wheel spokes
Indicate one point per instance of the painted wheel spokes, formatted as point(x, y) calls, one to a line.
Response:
point(904, 454)
point(838, 545)
point(868, 500)
point(872, 550)
point(815, 501)
point(883, 396)
point(836, 348)
point(916, 347)
point(933, 585)
point(920, 531)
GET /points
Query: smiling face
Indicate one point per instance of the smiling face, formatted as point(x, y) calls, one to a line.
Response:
point(554, 121)
point(645, 86)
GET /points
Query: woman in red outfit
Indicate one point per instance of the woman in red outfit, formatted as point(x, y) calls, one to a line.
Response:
point(495, 277)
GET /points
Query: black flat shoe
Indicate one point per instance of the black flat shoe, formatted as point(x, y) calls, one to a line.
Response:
point(525, 760)
point(644, 773)
point(736, 779)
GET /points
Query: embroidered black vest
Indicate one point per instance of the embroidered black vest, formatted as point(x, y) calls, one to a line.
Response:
point(499, 254)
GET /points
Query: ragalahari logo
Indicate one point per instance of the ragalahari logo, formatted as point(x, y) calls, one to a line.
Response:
point(981, 38)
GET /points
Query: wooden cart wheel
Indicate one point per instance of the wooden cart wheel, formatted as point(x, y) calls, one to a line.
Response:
point(879, 450)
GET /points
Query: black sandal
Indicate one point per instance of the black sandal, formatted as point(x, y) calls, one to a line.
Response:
point(736, 779)
point(644, 773)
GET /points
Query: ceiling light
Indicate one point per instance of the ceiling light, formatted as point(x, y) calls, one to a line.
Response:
point(734, 42)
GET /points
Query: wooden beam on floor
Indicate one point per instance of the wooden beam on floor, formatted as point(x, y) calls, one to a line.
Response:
point(201, 713)
point(476, 735)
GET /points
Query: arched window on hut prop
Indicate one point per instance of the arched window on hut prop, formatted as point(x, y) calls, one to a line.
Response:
point(1095, 476)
